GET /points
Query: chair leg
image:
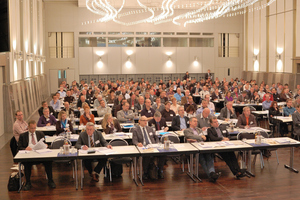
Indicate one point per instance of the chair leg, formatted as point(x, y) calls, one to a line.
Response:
point(73, 169)
point(254, 159)
point(110, 173)
point(182, 165)
point(262, 165)
point(277, 157)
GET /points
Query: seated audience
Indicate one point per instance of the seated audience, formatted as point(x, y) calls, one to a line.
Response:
point(167, 113)
point(267, 103)
point(174, 105)
point(289, 110)
point(91, 138)
point(27, 141)
point(67, 109)
point(178, 95)
point(125, 115)
point(148, 111)
point(246, 120)
point(45, 105)
point(203, 120)
point(103, 109)
point(86, 116)
point(204, 105)
point(143, 135)
point(20, 126)
point(243, 98)
point(110, 125)
point(215, 134)
point(227, 112)
point(195, 134)
point(69, 98)
point(158, 106)
point(180, 122)
point(63, 124)
point(190, 102)
point(82, 100)
point(158, 122)
point(46, 119)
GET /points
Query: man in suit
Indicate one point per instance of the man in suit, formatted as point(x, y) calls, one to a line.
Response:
point(81, 100)
point(125, 115)
point(158, 106)
point(67, 108)
point(203, 120)
point(27, 141)
point(140, 105)
point(143, 135)
point(180, 122)
point(296, 121)
point(216, 134)
point(132, 100)
point(243, 98)
point(227, 112)
point(208, 74)
point(119, 107)
point(195, 134)
point(69, 98)
point(45, 105)
point(190, 102)
point(246, 120)
point(184, 99)
point(89, 139)
point(158, 122)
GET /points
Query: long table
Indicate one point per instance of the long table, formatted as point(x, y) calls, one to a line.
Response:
point(103, 152)
point(52, 155)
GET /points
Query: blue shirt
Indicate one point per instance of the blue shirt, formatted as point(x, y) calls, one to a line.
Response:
point(178, 97)
point(200, 110)
point(182, 123)
point(288, 111)
point(55, 106)
point(266, 105)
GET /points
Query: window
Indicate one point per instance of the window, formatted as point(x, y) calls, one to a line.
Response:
point(182, 33)
point(85, 33)
point(61, 44)
point(99, 33)
point(201, 42)
point(127, 33)
point(169, 33)
point(113, 33)
point(92, 42)
point(195, 33)
point(155, 33)
point(141, 33)
point(148, 42)
point(120, 42)
point(175, 42)
point(229, 44)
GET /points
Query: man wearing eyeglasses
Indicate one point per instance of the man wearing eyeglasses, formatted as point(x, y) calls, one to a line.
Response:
point(142, 136)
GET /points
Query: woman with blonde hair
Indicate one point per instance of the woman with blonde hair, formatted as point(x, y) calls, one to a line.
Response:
point(110, 125)
point(86, 116)
point(63, 124)
point(174, 105)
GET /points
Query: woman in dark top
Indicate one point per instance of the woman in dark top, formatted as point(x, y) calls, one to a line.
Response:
point(63, 124)
point(110, 125)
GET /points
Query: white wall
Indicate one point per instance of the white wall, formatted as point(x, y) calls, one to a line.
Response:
point(271, 28)
point(26, 35)
point(68, 17)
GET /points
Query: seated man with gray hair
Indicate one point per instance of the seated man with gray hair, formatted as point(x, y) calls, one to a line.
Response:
point(97, 103)
point(103, 109)
point(88, 139)
point(195, 134)
point(158, 122)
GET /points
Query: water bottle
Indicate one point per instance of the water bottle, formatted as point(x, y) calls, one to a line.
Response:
point(166, 143)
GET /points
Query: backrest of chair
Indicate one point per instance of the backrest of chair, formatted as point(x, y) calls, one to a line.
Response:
point(263, 133)
point(59, 142)
point(172, 137)
point(245, 135)
point(118, 142)
point(252, 108)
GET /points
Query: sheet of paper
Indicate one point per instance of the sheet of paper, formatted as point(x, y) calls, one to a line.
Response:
point(106, 151)
point(40, 145)
point(24, 151)
point(43, 151)
point(81, 151)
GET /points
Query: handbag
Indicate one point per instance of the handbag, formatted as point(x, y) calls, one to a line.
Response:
point(13, 181)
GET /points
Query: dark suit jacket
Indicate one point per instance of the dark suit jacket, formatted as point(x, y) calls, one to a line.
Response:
point(193, 91)
point(176, 123)
point(296, 123)
point(99, 140)
point(242, 121)
point(70, 110)
point(79, 103)
point(214, 96)
point(24, 139)
point(168, 115)
point(162, 123)
point(138, 136)
point(51, 110)
point(59, 128)
point(213, 135)
point(130, 104)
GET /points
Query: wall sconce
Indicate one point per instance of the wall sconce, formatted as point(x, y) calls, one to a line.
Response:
point(196, 63)
point(30, 57)
point(128, 62)
point(255, 54)
point(38, 58)
point(19, 55)
point(279, 52)
point(169, 62)
point(129, 52)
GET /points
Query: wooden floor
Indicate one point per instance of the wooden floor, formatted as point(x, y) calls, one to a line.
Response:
point(273, 182)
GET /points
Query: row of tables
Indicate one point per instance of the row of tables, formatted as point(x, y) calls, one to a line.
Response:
point(190, 149)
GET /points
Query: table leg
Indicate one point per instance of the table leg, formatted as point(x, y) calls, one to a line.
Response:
point(141, 170)
point(76, 175)
point(197, 167)
point(191, 173)
point(81, 174)
point(291, 166)
point(20, 177)
point(134, 171)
